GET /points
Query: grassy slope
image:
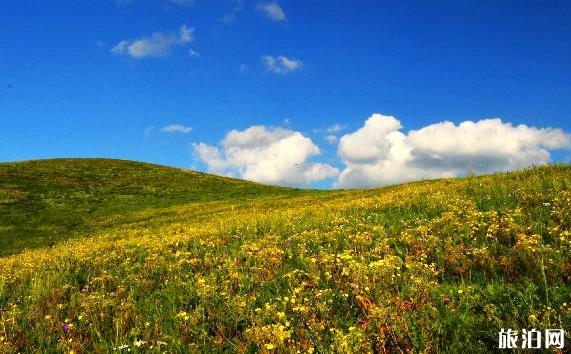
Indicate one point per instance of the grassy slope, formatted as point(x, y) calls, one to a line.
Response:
point(434, 266)
point(44, 202)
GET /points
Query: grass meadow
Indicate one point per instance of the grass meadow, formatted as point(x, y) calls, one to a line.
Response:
point(99, 256)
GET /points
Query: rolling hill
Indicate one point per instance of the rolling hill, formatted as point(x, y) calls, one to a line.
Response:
point(108, 255)
point(43, 202)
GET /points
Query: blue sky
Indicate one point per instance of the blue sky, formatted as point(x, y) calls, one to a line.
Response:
point(167, 81)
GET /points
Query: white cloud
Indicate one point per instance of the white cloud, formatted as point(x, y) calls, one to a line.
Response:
point(277, 156)
point(335, 128)
point(158, 44)
point(272, 10)
point(380, 153)
point(331, 138)
point(212, 157)
point(193, 53)
point(176, 128)
point(281, 64)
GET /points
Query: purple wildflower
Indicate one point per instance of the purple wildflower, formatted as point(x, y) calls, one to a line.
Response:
point(3, 309)
point(64, 327)
point(17, 302)
point(83, 289)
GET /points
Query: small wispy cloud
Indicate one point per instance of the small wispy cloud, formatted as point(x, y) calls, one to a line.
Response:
point(193, 53)
point(281, 64)
point(335, 128)
point(233, 11)
point(331, 138)
point(176, 128)
point(272, 10)
point(159, 44)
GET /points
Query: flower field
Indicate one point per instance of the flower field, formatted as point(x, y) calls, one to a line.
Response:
point(432, 266)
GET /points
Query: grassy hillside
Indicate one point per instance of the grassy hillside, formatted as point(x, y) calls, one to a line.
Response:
point(437, 266)
point(44, 202)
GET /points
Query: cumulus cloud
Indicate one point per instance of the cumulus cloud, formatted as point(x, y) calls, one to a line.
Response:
point(381, 153)
point(159, 44)
point(213, 158)
point(275, 156)
point(281, 64)
point(272, 10)
point(176, 128)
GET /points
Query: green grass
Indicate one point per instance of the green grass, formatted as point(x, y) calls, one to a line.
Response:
point(45, 202)
point(157, 259)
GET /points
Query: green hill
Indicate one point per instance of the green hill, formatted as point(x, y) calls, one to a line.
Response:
point(46, 201)
point(108, 256)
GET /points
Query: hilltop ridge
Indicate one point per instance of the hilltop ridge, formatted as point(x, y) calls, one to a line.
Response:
point(45, 201)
